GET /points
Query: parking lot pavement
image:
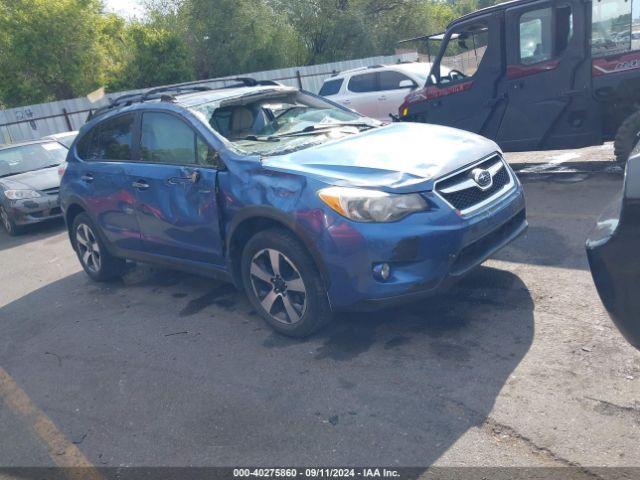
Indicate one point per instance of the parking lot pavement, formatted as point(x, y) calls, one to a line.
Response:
point(517, 365)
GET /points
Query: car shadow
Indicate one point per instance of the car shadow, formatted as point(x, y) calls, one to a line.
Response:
point(562, 209)
point(164, 368)
point(31, 233)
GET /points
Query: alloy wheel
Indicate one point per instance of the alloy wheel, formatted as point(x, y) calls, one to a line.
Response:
point(88, 248)
point(278, 285)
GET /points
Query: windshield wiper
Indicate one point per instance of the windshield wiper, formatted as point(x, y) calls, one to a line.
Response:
point(255, 138)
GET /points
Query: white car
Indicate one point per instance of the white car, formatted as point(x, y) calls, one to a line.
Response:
point(376, 91)
point(65, 138)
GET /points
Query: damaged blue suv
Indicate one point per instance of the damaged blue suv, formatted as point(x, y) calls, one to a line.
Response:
point(307, 206)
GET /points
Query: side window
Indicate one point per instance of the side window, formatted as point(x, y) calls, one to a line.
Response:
point(167, 139)
point(84, 146)
point(395, 81)
point(616, 26)
point(109, 140)
point(206, 155)
point(541, 38)
point(331, 87)
point(464, 53)
point(363, 83)
point(536, 38)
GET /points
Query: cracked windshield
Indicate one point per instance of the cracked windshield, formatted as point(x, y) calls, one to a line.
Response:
point(277, 124)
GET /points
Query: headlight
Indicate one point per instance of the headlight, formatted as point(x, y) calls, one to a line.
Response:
point(21, 194)
point(371, 205)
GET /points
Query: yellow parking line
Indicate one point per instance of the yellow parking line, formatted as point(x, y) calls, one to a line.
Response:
point(63, 453)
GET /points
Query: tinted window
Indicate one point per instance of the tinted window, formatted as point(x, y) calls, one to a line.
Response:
point(167, 139)
point(616, 26)
point(109, 140)
point(114, 140)
point(363, 83)
point(27, 158)
point(392, 80)
point(536, 38)
point(331, 87)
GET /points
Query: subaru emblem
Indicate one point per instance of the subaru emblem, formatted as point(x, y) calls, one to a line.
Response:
point(482, 178)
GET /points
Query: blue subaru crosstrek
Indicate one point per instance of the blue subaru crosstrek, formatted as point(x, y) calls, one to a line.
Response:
point(307, 206)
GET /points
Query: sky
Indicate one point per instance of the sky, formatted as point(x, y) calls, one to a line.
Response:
point(126, 8)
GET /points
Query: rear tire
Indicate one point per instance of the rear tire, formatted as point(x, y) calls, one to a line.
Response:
point(627, 137)
point(9, 225)
point(94, 257)
point(283, 284)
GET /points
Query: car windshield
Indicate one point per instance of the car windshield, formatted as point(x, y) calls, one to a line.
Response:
point(27, 158)
point(278, 123)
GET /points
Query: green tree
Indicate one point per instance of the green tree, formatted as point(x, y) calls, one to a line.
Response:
point(54, 49)
point(229, 37)
point(155, 55)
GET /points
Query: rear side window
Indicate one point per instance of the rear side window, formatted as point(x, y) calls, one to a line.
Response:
point(167, 139)
point(109, 140)
point(616, 26)
point(392, 80)
point(331, 87)
point(543, 37)
point(363, 83)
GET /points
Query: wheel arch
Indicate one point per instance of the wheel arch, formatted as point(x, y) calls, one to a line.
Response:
point(251, 221)
point(73, 209)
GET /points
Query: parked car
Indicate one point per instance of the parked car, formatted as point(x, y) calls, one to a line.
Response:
point(307, 206)
point(611, 249)
point(376, 91)
point(29, 183)
point(65, 138)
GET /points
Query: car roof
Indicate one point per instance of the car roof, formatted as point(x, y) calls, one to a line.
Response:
point(212, 96)
point(60, 135)
point(407, 66)
point(492, 8)
point(189, 98)
point(6, 146)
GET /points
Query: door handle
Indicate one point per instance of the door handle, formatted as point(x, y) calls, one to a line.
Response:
point(140, 185)
point(382, 98)
point(346, 102)
point(191, 177)
point(87, 178)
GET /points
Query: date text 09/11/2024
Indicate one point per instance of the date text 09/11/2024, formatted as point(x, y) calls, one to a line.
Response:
point(337, 473)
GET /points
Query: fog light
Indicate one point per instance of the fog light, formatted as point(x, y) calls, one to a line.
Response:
point(382, 271)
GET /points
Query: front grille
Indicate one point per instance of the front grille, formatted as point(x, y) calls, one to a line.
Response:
point(463, 194)
point(52, 191)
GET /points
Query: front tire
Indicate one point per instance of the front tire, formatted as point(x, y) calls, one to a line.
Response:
point(627, 137)
point(9, 225)
point(94, 257)
point(283, 284)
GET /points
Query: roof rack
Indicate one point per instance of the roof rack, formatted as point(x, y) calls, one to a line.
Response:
point(167, 93)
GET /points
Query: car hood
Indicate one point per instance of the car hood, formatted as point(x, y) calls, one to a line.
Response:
point(36, 180)
point(400, 157)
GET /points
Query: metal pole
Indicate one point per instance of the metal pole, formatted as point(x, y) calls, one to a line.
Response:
point(299, 79)
point(66, 117)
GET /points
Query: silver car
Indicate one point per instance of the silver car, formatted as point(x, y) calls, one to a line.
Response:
point(29, 183)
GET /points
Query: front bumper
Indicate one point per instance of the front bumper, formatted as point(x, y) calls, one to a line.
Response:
point(427, 252)
point(35, 210)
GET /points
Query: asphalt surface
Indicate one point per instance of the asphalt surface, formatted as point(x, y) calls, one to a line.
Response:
point(518, 365)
